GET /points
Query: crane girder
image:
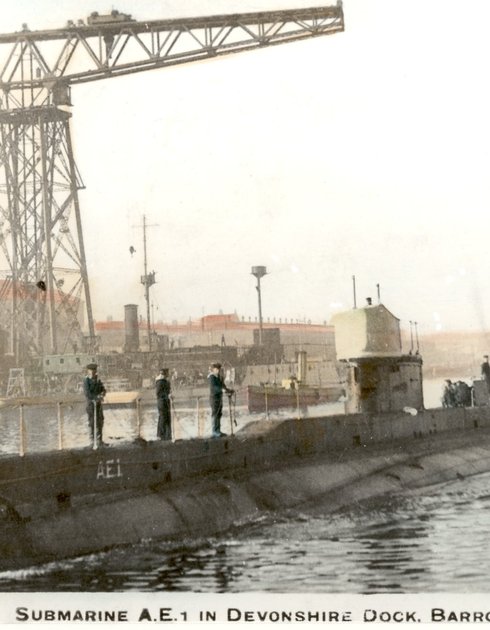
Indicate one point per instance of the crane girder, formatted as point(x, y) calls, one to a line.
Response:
point(145, 26)
point(82, 53)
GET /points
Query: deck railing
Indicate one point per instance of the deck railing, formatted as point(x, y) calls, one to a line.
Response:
point(193, 420)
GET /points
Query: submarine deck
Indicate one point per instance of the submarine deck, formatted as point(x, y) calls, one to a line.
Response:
point(68, 503)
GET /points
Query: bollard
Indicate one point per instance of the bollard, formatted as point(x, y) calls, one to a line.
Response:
point(60, 427)
point(22, 449)
point(138, 417)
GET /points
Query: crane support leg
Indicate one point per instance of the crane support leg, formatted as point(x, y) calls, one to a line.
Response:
point(41, 234)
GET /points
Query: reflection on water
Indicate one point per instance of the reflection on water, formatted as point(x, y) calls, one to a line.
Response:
point(416, 542)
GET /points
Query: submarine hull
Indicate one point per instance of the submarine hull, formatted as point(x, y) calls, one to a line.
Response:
point(68, 503)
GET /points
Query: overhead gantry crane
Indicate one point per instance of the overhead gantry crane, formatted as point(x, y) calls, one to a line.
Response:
point(44, 292)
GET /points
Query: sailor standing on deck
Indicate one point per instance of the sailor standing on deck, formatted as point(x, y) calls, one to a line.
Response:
point(162, 386)
point(94, 391)
point(216, 389)
point(448, 398)
point(485, 371)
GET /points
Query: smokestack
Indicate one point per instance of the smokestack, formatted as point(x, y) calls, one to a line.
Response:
point(379, 294)
point(131, 328)
point(354, 290)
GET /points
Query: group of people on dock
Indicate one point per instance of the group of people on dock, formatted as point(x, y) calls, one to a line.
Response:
point(95, 392)
point(459, 393)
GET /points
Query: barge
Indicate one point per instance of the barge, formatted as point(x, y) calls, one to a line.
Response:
point(265, 398)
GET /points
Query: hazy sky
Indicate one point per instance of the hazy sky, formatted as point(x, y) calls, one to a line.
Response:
point(364, 152)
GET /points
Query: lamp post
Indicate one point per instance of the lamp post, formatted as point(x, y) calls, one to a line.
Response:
point(259, 272)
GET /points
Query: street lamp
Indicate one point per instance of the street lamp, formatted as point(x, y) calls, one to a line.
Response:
point(259, 272)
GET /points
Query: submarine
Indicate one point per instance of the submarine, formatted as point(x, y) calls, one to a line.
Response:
point(67, 503)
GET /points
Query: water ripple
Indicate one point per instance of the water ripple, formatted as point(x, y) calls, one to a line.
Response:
point(407, 543)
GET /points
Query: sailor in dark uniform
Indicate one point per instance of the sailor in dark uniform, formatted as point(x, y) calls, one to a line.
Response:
point(448, 397)
point(485, 371)
point(94, 391)
point(162, 386)
point(216, 388)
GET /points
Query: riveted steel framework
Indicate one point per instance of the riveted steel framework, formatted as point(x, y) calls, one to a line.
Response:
point(41, 240)
point(40, 222)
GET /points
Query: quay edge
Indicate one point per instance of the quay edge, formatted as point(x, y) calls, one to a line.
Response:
point(67, 503)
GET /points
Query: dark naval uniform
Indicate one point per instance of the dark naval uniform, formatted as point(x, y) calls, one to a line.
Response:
point(485, 372)
point(216, 387)
point(164, 429)
point(94, 391)
point(216, 402)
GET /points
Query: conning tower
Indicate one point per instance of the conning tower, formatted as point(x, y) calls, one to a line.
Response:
point(379, 376)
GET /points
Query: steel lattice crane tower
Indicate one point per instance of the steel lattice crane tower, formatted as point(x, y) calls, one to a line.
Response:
point(44, 291)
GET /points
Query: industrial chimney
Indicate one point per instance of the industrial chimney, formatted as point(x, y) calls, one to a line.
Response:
point(131, 328)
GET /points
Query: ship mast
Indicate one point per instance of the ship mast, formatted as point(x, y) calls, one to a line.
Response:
point(147, 280)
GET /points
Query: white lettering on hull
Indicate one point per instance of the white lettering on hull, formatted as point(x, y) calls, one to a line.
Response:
point(109, 469)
